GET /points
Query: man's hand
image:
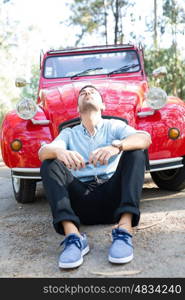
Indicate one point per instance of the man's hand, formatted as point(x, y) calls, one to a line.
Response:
point(71, 159)
point(55, 150)
point(102, 155)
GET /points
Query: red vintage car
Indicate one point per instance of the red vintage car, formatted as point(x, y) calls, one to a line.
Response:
point(118, 72)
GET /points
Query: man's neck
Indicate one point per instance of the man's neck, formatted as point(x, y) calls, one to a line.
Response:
point(90, 120)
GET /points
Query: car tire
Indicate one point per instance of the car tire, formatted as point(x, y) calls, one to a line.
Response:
point(24, 189)
point(173, 179)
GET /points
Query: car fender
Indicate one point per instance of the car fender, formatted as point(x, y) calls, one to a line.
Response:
point(31, 136)
point(172, 115)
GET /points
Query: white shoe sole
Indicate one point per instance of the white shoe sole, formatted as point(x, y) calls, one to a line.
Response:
point(76, 263)
point(120, 260)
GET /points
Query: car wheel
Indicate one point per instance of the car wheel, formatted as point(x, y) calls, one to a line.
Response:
point(24, 189)
point(173, 179)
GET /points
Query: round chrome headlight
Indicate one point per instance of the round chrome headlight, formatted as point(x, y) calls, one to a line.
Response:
point(26, 109)
point(156, 98)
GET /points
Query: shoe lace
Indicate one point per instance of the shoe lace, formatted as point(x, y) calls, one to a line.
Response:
point(72, 240)
point(124, 236)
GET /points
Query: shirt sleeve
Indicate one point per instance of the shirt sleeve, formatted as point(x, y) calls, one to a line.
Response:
point(63, 138)
point(121, 130)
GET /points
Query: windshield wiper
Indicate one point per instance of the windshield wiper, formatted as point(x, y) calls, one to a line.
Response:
point(86, 71)
point(124, 68)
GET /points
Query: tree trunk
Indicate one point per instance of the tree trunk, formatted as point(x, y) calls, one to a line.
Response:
point(155, 25)
point(116, 16)
point(105, 21)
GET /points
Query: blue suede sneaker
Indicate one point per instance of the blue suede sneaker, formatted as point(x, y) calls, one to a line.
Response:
point(121, 250)
point(75, 247)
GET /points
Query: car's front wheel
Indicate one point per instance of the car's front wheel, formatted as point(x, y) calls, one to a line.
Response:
point(24, 189)
point(173, 179)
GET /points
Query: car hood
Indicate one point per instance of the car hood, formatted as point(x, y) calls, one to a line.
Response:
point(121, 100)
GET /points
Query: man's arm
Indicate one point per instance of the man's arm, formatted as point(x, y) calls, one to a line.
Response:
point(56, 150)
point(136, 141)
point(49, 151)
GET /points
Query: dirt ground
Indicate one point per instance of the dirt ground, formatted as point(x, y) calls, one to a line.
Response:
point(30, 247)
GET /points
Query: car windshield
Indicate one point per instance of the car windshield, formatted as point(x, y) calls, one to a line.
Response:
point(91, 64)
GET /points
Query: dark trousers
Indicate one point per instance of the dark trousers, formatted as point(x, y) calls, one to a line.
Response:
point(94, 202)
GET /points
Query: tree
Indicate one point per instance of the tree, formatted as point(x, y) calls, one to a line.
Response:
point(99, 15)
point(89, 15)
point(171, 23)
point(119, 8)
point(7, 45)
point(173, 83)
point(155, 25)
point(30, 91)
point(16, 58)
point(175, 17)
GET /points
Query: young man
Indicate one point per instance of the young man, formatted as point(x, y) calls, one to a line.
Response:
point(93, 173)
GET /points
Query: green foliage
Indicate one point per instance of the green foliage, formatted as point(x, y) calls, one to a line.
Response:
point(7, 44)
point(174, 18)
point(88, 15)
point(173, 82)
point(93, 16)
point(30, 90)
point(173, 12)
point(3, 111)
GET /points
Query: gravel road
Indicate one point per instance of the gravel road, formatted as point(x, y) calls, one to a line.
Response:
point(30, 247)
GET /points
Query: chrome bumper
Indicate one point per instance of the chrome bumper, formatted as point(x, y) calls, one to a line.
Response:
point(155, 165)
point(165, 164)
point(26, 173)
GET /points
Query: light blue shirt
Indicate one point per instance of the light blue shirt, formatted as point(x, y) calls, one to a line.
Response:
point(78, 139)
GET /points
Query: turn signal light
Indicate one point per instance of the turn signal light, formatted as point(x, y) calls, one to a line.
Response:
point(173, 133)
point(16, 145)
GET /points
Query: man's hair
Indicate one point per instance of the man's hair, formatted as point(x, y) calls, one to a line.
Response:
point(89, 86)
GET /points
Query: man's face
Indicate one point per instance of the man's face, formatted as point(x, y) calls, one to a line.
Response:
point(90, 100)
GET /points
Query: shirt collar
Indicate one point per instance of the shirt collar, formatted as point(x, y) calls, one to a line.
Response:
point(97, 127)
